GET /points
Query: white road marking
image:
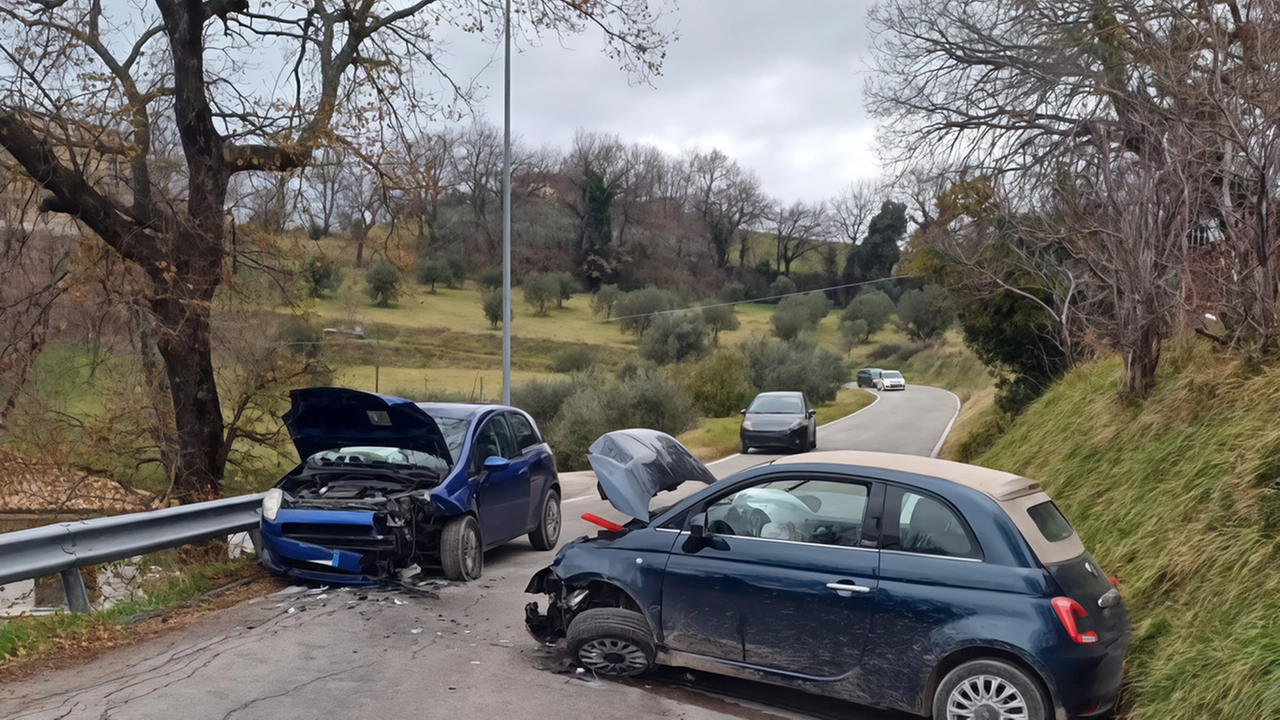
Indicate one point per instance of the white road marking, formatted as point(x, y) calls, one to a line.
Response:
point(947, 431)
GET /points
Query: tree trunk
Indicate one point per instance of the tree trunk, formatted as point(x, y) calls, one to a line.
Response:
point(185, 344)
point(1141, 354)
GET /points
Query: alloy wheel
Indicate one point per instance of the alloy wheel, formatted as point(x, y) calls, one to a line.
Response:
point(471, 553)
point(612, 657)
point(551, 520)
point(986, 697)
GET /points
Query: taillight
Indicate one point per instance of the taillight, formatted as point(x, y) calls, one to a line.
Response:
point(1068, 610)
point(1112, 578)
point(609, 525)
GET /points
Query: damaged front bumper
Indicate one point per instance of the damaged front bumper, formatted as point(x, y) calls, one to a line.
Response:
point(347, 546)
point(547, 628)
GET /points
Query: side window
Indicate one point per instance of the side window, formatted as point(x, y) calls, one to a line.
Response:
point(525, 436)
point(493, 439)
point(822, 512)
point(927, 526)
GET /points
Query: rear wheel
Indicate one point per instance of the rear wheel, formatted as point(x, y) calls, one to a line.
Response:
point(461, 552)
point(611, 642)
point(547, 534)
point(989, 690)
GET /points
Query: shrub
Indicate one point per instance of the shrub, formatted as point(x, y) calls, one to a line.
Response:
point(603, 301)
point(540, 291)
point(566, 286)
point(853, 332)
point(798, 365)
point(721, 384)
point(300, 336)
point(647, 399)
point(720, 318)
point(491, 301)
point(872, 307)
point(926, 313)
point(883, 351)
point(490, 277)
point(323, 275)
point(574, 358)
point(674, 338)
point(911, 351)
point(635, 310)
point(782, 286)
point(732, 292)
point(799, 313)
point(382, 282)
point(316, 230)
point(543, 398)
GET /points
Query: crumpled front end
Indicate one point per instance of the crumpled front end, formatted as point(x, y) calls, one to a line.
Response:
point(549, 627)
point(351, 543)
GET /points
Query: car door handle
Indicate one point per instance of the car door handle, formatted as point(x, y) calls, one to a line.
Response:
point(848, 588)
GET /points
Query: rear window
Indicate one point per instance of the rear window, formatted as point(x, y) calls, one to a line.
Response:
point(1052, 525)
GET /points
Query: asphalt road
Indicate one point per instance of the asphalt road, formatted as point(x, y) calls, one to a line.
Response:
point(451, 650)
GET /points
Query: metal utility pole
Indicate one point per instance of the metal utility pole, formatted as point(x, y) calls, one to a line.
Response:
point(506, 213)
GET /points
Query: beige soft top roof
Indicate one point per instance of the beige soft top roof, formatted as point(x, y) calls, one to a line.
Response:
point(1012, 493)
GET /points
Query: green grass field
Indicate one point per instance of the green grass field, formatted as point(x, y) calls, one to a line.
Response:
point(1179, 497)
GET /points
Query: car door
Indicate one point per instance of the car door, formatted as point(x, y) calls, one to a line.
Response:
point(932, 577)
point(535, 453)
point(784, 580)
point(502, 496)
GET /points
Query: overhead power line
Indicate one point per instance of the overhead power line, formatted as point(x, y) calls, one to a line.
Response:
point(755, 300)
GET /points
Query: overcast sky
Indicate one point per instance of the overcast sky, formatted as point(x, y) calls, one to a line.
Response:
point(776, 84)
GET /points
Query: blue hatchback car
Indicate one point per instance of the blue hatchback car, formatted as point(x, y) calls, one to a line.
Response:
point(385, 483)
point(920, 585)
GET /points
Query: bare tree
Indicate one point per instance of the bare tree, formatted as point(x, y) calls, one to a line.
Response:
point(853, 207)
point(728, 199)
point(80, 116)
point(798, 229)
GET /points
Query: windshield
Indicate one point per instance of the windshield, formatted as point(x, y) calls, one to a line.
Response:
point(891, 375)
point(375, 455)
point(455, 433)
point(777, 405)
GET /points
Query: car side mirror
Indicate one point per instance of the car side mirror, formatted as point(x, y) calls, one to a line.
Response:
point(742, 411)
point(812, 413)
point(698, 527)
point(495, 463)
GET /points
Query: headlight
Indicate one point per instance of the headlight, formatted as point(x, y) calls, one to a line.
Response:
point(271, 503)
point(746, 425)
point(797, 425)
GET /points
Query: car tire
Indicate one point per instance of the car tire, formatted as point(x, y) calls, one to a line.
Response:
point(813, 441)
point(461, 550)
point(743, 448)
point(961, 692)
point(547, 534)
point(611, 642)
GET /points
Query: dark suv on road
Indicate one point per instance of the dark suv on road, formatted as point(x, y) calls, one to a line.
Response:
point(909, 583)
point(867, 377)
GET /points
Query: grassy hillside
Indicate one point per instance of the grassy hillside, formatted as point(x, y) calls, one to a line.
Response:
point(1178, 497)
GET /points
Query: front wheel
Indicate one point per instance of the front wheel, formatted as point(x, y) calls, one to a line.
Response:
point(989, 689)
point(461, 552)
point(547, 534)
point(813, 440)
point(743, 447)
point(611, 642)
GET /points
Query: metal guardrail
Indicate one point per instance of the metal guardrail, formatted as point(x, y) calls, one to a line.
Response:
point(63, 548)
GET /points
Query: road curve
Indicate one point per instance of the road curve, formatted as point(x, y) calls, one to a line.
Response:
point(461, 653)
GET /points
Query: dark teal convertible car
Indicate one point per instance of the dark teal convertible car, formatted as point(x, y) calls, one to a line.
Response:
point(386, 483)
point(937, 588)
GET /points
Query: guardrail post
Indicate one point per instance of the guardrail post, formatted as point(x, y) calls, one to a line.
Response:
point(77, 596)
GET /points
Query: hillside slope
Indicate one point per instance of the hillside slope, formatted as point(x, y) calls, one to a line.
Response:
point(1178, 497)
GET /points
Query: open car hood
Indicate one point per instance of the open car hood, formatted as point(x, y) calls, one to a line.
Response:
point(326, 418)
point(634, 465)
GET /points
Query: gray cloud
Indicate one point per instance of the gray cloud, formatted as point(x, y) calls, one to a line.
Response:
point(775, 84)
